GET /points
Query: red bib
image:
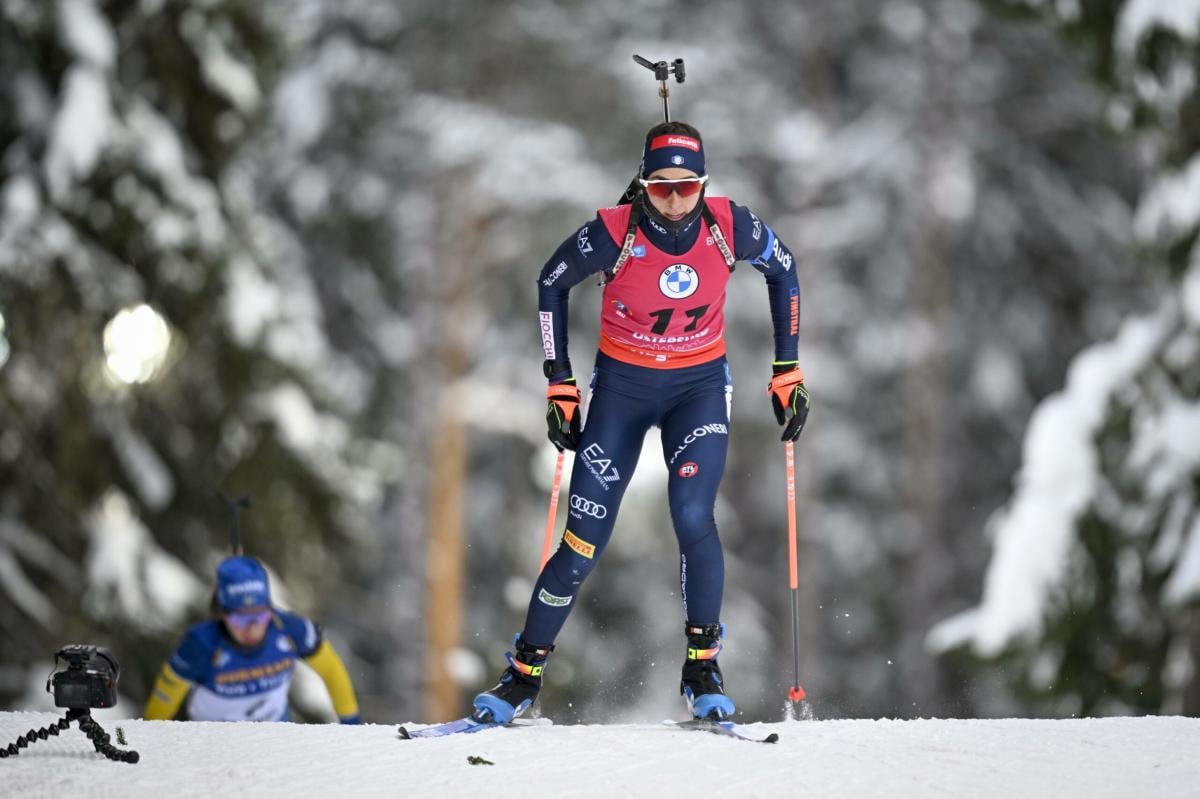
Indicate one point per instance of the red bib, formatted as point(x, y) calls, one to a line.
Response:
point(667, 311)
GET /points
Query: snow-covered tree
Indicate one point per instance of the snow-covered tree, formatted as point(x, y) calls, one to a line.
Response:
point(1093, 590)
point(159, 346)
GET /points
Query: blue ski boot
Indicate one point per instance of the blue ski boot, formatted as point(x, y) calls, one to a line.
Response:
point(702, 686)
point(518, 686)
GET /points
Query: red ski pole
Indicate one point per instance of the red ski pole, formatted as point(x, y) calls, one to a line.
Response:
point(795, 693)
point(552, 513)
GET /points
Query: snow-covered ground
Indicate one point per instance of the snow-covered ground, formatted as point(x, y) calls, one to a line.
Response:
point(1091, 758)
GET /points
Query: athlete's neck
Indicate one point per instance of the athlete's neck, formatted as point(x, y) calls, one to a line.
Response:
point(674, 238)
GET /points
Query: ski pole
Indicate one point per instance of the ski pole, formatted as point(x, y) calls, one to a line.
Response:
point(795, 692)
point(552, 513)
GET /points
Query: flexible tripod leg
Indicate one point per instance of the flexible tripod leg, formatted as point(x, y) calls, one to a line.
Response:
point(87, 725)
point(33, 736)
point(101, 740)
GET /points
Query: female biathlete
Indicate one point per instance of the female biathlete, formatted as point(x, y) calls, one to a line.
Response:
point(666, 257)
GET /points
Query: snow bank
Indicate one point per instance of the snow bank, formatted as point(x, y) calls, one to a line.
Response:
point(1095, 758)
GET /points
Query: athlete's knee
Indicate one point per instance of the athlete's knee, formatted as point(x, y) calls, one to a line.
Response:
point(693, 521)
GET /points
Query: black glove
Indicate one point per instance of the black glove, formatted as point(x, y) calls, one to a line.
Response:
point(562, 414)
point(789, 399)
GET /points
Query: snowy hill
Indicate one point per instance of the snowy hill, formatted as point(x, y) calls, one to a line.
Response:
point(1113, 757)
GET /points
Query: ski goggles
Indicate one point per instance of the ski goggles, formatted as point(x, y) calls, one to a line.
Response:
point(244, 621)
point(684, 187)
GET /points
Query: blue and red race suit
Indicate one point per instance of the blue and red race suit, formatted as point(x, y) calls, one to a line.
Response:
point(661, 363)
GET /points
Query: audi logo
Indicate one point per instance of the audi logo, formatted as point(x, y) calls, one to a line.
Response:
point(593, 509)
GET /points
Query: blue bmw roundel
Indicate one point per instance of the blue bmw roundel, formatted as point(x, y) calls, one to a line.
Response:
point(678, 281)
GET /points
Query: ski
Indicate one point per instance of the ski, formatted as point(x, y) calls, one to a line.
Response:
point(726, 728)
point(466, 725)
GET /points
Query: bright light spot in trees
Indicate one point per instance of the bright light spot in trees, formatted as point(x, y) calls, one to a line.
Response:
point(135, 344)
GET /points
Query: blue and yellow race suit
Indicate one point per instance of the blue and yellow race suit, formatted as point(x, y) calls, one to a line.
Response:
point(212, 678)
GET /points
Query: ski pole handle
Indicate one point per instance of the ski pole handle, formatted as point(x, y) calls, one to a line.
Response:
point(552, 513)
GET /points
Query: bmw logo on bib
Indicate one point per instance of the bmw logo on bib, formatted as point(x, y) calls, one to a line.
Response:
point(678, 281)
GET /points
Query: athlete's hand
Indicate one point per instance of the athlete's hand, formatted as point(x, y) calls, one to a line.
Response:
point(562, 414)
point(789, 399)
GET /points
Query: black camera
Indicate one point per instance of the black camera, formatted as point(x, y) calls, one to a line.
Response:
point(90, 679)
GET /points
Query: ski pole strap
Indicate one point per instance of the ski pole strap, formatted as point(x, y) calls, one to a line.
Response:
point(782, 384)
point(718, 236)
point(566, 390)
point(565, 397)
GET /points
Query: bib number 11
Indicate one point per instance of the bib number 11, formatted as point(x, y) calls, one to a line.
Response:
point(663, 319)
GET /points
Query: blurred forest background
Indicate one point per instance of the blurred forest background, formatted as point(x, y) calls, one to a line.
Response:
point(287, 249)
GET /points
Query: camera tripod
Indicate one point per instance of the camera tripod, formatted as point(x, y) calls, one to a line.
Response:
point(87, 725)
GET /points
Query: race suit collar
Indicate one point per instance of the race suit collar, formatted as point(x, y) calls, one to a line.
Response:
point(674, 242)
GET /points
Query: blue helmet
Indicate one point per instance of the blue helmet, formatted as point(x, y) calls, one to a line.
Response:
point(242, 583)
